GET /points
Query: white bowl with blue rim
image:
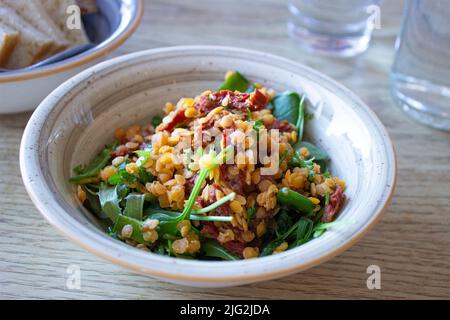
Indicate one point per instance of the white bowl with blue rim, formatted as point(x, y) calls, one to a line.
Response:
point(22, 90)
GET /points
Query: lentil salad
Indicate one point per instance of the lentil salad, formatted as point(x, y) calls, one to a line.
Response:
point(223, 176)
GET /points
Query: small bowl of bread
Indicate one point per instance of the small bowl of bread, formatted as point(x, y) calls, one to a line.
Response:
point(45, 42)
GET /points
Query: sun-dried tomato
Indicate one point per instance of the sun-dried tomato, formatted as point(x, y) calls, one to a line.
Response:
point(236, 101)
point(336, 199)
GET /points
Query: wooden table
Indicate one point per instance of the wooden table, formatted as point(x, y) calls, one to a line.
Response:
point(411, 243)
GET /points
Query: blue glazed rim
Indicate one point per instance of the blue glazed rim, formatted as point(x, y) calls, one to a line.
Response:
point(131, 12)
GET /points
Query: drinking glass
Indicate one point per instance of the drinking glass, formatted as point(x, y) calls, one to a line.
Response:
point(420, 77)
point(338, 27)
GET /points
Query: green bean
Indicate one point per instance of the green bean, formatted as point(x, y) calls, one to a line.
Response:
point(295, 200)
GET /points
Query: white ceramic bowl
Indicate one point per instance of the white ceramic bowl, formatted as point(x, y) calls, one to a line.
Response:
point(23, 90)
point(79, 118)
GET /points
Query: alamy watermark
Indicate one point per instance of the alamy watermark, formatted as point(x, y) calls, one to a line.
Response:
point(73, 277)
point(374, 280)
point(375, 16)
point(73, 21)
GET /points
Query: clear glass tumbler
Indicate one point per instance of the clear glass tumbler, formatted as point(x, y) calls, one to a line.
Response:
point(333, 27)
point(420, 77)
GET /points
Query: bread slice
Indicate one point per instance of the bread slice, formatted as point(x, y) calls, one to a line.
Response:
point(8, 41)
point(32, 45)
point(34, 13)
point(57, 9)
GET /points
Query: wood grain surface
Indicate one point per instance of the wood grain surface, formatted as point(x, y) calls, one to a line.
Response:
point(411, 243)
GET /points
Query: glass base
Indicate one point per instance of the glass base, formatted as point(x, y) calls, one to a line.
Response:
point(425, 102)
point(326, 44)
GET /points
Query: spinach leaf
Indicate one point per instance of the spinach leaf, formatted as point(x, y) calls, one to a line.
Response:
point(137, 225)
point(314, 151)
point(298, 233)
point(168, 221)
point(284, 222)
point(251, 213)
point(303, 233)
point(290, 106)
point(317, 155)
point(214, 249)
point(323, 165)
point(156, 120)
point(235, 82)
point(134, 206)
point(94, 168)
point(269, 248)
point(286, 106)
point(109, 201)
point(122, 190)
point(94, 205)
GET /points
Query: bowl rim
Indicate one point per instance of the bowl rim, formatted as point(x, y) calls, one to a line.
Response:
point(29, 170)
point(100, 50)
